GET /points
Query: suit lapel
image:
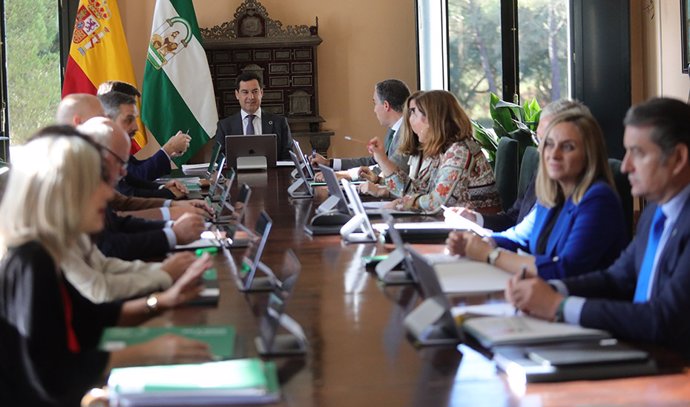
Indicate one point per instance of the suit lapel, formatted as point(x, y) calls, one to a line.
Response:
point(561, 228)
point(671, 248)
point(267, 125)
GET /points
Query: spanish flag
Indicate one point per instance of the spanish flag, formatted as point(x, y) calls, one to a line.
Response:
point(99, 53)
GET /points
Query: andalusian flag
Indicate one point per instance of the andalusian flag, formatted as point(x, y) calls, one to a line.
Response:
point(178, 92)
point(99, 53)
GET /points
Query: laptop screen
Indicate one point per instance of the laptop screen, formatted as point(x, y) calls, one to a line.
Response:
point(358, 208)
point(334, 188)
point(252, 255)
point(303, 160)
point(214, 159)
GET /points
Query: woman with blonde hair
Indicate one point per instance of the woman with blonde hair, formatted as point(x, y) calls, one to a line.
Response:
point(48, 332)
point(447, 166)
point(577, 225)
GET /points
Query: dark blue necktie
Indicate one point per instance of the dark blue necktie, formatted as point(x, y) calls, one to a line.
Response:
point(644, 279)
point(250, 125)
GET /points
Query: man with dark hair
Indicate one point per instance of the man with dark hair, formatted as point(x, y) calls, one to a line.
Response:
point(644, 295)
point(389, 99)
point(121, 108)
point(251, 119)
point(119, 99)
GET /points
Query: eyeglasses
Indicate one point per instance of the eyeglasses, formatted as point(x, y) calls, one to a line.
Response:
point(119, 159)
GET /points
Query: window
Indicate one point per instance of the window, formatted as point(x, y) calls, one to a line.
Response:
point(32, 52)
point(484, 56)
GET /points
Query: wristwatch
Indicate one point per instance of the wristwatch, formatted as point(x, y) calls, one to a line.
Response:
point(493, 255)
point(152, 303)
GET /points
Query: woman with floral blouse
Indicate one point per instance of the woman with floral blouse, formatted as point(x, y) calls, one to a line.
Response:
point(447, 166)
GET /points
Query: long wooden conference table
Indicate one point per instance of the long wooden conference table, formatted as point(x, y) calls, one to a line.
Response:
point(359, 354)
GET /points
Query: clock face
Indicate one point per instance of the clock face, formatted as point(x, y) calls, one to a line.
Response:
point(251, 27)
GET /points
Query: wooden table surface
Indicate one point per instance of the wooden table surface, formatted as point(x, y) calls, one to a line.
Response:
point(359, 354)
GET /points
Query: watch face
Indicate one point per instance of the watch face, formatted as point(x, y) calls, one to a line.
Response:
point(152, 302)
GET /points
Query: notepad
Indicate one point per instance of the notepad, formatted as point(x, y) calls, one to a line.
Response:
point(465, 277)
point(240, 381)
point(523, 330)
point(220, 338)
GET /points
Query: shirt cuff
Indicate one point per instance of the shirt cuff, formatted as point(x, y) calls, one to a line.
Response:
point(167, 203)
point(353, 173)
point(572, 309)
point(166, 153)
point(337, 164)
point(169, 224)
point(480, 219)
point(165, 213)
point(170, 235)
point(559, 286)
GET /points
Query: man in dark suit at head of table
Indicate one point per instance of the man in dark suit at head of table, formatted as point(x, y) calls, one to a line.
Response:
point(251, 119)
point(645, 295)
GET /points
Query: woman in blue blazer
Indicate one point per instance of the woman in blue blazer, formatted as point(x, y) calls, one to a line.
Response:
point(577, 224)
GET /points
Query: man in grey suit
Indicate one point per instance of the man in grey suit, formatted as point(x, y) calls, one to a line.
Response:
point(644, 295)
point(251, 119)
point(389, 98)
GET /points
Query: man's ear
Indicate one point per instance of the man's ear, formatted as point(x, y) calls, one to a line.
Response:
point(386, 105)
point(679, 157)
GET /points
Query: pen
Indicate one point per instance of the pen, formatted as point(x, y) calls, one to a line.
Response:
point(523, 275)
point(313, 153)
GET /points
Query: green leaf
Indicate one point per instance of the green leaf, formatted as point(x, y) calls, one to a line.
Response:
point(487, 139)
point(504, 115)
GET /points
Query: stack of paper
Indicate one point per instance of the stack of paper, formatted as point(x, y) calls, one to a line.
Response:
point(240, 381)
point(465, 277)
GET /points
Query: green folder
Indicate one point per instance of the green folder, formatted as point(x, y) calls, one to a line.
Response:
point(220, 338)
point(231, 381)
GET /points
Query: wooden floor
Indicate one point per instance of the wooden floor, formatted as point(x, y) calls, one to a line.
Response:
point(359, 354)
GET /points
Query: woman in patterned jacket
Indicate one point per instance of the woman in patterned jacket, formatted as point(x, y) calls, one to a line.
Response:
point(447, 166)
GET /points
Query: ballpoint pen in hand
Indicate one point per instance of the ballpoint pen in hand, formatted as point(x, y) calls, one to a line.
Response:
point(523, 275)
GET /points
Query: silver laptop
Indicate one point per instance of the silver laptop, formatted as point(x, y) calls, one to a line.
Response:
point(251, 152)
point(245, 277)
point(269, 342)
point(303, 161)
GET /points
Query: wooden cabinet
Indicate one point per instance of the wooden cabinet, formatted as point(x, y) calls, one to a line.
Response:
point(284, 57)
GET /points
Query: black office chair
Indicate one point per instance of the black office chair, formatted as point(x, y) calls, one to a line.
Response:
point(623, 187)
point(528, 168)
point(506, 171)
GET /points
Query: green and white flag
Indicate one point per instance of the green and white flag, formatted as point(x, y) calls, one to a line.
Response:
point(178, 92)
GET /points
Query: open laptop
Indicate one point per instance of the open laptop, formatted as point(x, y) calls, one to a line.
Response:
point(245, 277)
point(300, 188)
point(269, 342)
point(397, 267)
point(303, 160)
point(251, 152)
point(431, 323)
point(358, 229)
point(231, 226)
point(215, 181)
point(204, 170)
point(333, 213)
